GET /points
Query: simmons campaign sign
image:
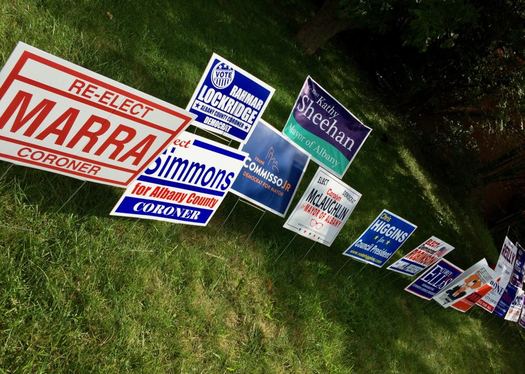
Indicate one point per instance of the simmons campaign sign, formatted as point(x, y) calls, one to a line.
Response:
point(272, 170)
point(323, 209)
point(229, 100)
point(381, 239)
point(434, 280)
point(467, 283)
point(325, 129)
point(185, 184)
point(423, 256)
point(59, 117)
point(503, 272)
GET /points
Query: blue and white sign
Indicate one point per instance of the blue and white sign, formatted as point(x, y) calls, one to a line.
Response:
point(272, 171)
point(434, 280)
point(185, 184)
point(229, 100)
point(381, 239)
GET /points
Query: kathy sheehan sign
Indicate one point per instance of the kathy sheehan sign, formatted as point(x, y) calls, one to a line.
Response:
point(325, 129)
point(59, 117)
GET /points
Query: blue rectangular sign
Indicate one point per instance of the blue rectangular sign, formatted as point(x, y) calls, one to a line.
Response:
point(434, 280)
point(185, 184)
point(381, 239)
point(229, 100)
point(272, 171)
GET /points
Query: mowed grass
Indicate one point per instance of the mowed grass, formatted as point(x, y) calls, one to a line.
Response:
point(84, 292)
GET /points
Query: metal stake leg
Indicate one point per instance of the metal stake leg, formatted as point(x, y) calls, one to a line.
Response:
point(285, 248)
point(254, 227)
point(71, 197)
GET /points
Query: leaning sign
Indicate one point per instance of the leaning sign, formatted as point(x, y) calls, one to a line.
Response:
point(325, 129)
point(323, 209)
point(426, 254)
point(467, 283)
point(60, 117)
point(503, 272)
point(272, 170)
point(381, 239)
point(229, 100)
point(185, 184)
point(434, 280)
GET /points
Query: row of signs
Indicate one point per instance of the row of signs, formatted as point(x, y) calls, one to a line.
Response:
point(60, 117)
point(498, 291)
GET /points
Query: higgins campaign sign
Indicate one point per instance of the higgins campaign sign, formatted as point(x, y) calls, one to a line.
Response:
point(325, 129)
point(381, 239)
point(434, 280)
point(185, 184)
point(503, 273)
point(59, 117)
point(229, 100)
point(423, 256)
point(272, 170)
point(467, 283)
point(323, 209)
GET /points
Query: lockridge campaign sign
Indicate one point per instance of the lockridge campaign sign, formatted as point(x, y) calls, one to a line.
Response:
point(422, 257)
point(434, 280)
point(503, 272)
point(59, 117)
point(325, 129)
point(381, 239)
point(467, 283)
point(185, 184)
point(272, 170)
point(229, 100)
point(323, 209)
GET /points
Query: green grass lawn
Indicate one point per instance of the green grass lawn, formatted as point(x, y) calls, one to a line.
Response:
point(84, 292)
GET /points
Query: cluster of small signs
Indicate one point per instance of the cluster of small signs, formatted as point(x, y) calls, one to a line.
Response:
point(59, 117)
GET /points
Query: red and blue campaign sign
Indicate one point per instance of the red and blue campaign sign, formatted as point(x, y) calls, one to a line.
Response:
point(272, 170)
point(381, 239)
point(229, 100)
point(434, 280)
point(185, 184)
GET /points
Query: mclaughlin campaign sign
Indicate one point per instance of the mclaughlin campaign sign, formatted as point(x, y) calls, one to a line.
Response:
point(60, 117)
point(185, 184)
point(325, 129)
point(229, 100)
point(323, 209)
point(434, 280)
point(503, 272)
point(381, 239)
point(467, 283)
point(426, 254)
point(272, 170)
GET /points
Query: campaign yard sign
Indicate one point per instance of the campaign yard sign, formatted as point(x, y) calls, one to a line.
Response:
point(185, 184)
point(425, 255)
point(467, 283)
point(272, 170)
point(229, 100)
point(465, 304)
point(514, 285)
point(325, 129)
point(503, 272)
point(59, 117)
point(381, 239)
point(434, 280)
point(513, 314)
point(323, 209)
